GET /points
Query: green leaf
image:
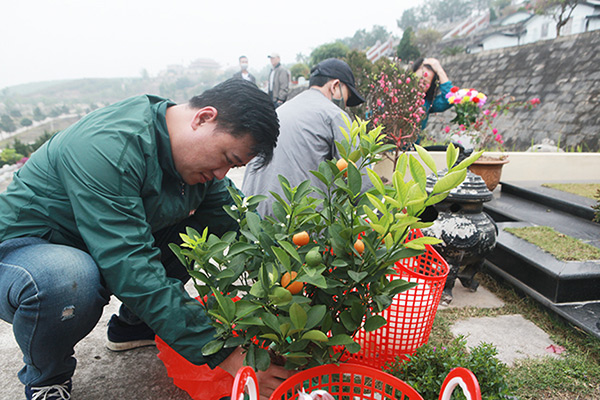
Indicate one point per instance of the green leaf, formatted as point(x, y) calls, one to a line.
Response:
point(340, 340)
point(417, 172)
point(376, 181)
point(239, 247)
point(287, 246)
point(316, 280)
point(271, 336)
point(354, 179)
point(271, 321)
point(426, 157)
point(244, 308)
point(449, 181)
point(315, 315)
point(451, 156)
point(226, 305)
point(315, 336)
point(298, 316)
point(282, 256)
point(374, 322)
point(177, 251)
point(376, 203)
point(253, 221)
point(212, 347)
point(280, 296)
point(357, 276)
point(258, 290)
point(468, 161)
point(348, 321)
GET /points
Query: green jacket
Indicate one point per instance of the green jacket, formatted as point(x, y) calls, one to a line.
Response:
point(104, 185)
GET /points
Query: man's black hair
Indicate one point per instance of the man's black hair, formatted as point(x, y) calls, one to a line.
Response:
point(242, 108)
point(319, 80)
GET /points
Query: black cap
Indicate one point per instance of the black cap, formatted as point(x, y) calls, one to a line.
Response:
point(338, 69)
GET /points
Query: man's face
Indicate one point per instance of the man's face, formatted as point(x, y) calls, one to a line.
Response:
point(244, 63)
point(274, 61)
point(210, 153)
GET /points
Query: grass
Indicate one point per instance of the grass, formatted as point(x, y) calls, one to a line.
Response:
point(581, 189)
point(575, 375)
point(562, 247)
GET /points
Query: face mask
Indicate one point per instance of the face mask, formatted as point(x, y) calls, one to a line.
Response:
point(244, 66)
point(339, 102)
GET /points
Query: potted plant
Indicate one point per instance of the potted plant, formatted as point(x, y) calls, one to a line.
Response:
point(474, 128)
point(295, 288)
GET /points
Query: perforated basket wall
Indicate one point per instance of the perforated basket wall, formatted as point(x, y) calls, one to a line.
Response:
point(411, 315)
point(347, 382)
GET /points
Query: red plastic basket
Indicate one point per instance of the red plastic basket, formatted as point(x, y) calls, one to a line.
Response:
point(347, 382)
point(411, 314)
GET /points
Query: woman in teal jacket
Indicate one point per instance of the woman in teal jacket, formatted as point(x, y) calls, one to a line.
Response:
point(433, 75)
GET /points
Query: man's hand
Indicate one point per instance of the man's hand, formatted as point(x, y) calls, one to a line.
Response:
point(268, 380)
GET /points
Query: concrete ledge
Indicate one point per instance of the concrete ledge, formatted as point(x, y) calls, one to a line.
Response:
point(523, 166)
point(558, 281)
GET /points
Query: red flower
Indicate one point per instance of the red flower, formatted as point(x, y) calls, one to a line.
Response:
point(454, 89)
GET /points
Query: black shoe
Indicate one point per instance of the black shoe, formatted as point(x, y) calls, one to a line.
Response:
point(122, 337)
point(52, 392)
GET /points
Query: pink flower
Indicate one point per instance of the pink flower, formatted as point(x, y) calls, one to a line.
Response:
point(408, 81)
point(486, 112)
point(447, 129)
point(535, 101)
point(379, 102)
point(494, 115)
point(495, 131)
point(462, 127)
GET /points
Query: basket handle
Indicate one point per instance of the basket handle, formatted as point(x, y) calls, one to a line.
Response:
point(245, 378)
point(467, 381)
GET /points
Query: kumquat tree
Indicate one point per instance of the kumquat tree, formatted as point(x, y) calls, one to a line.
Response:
point(296, 287)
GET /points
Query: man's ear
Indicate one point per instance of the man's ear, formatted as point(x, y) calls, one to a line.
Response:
point(204, 114)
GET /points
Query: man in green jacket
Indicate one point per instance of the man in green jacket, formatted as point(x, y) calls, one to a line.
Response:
point(92, 212)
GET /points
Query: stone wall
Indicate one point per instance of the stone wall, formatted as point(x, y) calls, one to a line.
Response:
point(564, 73)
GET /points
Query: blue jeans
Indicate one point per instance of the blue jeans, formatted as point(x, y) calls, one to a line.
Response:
point(53, 295)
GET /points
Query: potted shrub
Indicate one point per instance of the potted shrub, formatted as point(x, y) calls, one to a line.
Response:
point(296, 287)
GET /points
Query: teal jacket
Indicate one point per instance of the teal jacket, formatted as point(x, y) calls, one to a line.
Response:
point(104, 185)
point(439, 104)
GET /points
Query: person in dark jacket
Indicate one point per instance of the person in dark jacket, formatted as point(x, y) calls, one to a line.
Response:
point(243, 72)
point(92, 212)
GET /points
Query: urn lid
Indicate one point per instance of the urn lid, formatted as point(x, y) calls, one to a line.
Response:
point(472, 190)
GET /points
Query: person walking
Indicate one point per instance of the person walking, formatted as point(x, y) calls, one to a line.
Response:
point(279, 81)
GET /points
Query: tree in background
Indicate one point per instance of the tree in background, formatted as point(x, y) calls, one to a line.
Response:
point(362, 69)
point(560, 10)
point(299, 69)
point(7, 124)
point(411, 18)
point(426, 38)
point(26, 122)
point(330, 50)
point(362, 39)
point(38, 115)
point(407, 50)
